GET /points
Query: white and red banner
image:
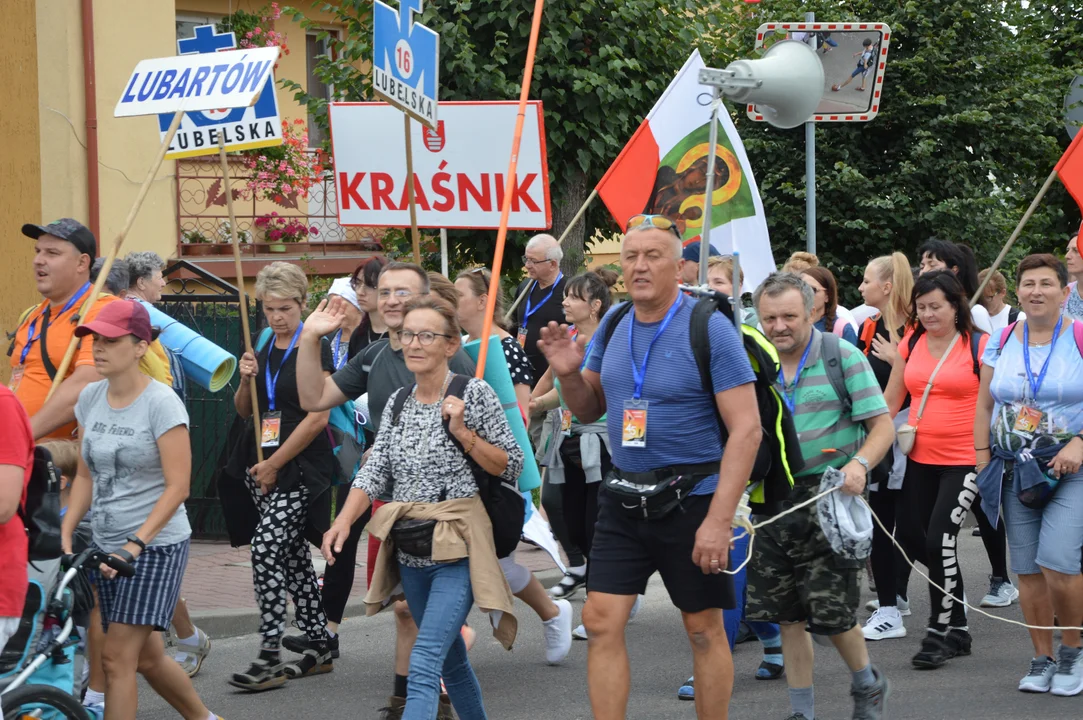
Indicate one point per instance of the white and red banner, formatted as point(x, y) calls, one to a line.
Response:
point(460, 168)
point(663, 170)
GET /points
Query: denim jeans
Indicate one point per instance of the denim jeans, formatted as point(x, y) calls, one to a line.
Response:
point(440, 598)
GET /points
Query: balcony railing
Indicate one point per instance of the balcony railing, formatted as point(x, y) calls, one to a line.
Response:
point(201, 213)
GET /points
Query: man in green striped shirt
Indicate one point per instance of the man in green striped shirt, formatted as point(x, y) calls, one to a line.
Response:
point(794, 577)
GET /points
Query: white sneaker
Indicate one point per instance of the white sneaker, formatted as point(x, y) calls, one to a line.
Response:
point(901, 603)
point(1040, 677)
point(1001, 593)
point(885, 624)
point(635, 607)
point(580, 632)
point(558, 634)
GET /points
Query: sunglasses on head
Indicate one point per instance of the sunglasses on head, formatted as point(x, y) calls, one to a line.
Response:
point(644, 222)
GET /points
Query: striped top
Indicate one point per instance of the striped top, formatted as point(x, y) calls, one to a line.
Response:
point(827, 438)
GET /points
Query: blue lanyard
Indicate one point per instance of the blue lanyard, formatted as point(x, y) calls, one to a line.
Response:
point(530, 308)
point(337, 356)
point(791, 400)
point(586, 355)
point(272, 381)
point(30, 338)
point(639, 374)
point(1036, 384)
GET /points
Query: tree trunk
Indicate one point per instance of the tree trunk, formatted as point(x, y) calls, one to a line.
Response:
point(575, 193)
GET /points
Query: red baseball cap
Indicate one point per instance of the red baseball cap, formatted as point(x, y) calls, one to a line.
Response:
point(119, 318)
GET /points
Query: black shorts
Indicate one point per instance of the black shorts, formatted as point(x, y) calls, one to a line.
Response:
point(627, 551)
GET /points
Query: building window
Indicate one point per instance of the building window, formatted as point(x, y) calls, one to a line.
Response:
point(187, 24)
point(315, 48)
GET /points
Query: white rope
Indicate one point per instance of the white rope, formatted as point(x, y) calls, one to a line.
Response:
point(743, 521)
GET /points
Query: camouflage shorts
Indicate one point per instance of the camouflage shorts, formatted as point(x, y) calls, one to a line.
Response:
point(794, 576)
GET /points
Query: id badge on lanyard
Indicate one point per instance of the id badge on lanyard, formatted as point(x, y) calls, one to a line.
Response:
point(16, 377)
point(271, 429)
point(634, 424)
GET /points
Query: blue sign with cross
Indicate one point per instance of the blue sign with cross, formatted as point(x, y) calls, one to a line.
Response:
point(243, 128)
point(405, 69)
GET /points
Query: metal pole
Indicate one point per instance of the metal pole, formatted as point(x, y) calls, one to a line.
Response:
point(705, 234)
point(810, 166)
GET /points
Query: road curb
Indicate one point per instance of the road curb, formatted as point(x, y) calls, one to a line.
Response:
point(234, 622)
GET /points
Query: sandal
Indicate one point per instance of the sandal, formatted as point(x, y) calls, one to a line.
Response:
point(313, 662)
point(769, 671)
point(568, 586)
point(261, 675)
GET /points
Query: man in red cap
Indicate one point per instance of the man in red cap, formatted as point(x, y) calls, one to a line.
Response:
point(64, 252)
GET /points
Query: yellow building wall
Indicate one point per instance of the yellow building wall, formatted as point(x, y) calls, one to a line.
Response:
point(125, 32)
point(20, 184)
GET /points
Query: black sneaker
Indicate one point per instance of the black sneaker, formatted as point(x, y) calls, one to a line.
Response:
point(300, 643)
point(744, 633)
point(960, 642)
point(263, 674)
point(935, 651)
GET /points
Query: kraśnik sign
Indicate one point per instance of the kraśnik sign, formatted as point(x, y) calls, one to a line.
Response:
point(460, 169)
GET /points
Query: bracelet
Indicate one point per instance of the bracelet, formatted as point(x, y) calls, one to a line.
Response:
point(134, 540)
point(125, 555)
point(980, 449)
point(473, 441)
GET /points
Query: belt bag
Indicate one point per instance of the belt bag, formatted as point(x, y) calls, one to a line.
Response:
point(414, 537)
point(655, 494)
point(907, 434)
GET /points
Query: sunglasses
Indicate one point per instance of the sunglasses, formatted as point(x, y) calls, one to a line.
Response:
point(645, 222)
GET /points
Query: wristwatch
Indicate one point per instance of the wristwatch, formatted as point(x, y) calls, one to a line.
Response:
point(864, 463)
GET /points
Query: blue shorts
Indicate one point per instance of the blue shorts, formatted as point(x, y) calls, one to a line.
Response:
point(859, 70)
point(1048, 538)
point(148, 597)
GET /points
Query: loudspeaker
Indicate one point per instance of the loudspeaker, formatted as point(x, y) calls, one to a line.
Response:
point(790, 83)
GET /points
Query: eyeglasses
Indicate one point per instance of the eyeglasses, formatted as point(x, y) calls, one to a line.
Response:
point(644, 222)
point(426, 338)
point(531, 261)
point(401, 294)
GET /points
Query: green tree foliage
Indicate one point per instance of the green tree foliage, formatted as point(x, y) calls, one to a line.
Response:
point(969, 128)
point(970, 122)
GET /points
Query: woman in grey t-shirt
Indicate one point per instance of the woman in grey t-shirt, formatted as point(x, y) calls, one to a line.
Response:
point(135, 469)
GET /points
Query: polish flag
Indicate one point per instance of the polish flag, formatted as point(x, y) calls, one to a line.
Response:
point(663, 170)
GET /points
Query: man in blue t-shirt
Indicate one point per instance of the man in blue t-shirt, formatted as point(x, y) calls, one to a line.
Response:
point(664, 431)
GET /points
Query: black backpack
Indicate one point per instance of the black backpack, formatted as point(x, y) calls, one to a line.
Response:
point(41, 513)
point(779, 456)
point(506, 507)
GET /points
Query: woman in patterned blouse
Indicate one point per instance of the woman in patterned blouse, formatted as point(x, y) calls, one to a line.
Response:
point(425, 465)
point(556, 616)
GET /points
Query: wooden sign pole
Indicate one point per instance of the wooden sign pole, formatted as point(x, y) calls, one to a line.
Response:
point(410, 189)
point(62, 370)
point(241, 295)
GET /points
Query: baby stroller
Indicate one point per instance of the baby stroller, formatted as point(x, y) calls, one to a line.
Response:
point(37, 667)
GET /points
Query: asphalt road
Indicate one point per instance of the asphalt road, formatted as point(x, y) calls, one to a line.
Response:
point(519, 686)
point(838, 64)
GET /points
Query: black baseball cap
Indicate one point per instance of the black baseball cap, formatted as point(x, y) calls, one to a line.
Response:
point(66, 229)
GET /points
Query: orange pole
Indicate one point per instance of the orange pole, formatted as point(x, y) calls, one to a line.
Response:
point(505, 209)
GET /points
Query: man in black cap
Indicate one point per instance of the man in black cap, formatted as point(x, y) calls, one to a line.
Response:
point(690, 266)
point(64, 253)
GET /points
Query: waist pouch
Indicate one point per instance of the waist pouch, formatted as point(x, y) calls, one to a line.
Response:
point(655, 494)
point(413, 537)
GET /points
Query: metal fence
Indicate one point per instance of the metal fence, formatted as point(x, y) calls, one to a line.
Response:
point(211, 307)
point(201, 212)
